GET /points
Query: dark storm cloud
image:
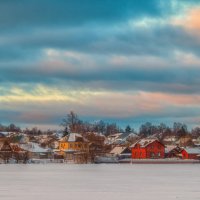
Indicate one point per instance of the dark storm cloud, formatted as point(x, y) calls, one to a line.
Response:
point(72, 25)
point(158, 40)
point(41, 13)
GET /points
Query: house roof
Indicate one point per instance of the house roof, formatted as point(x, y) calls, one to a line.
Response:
point(125, 135)
point(116, 135)
point(1, 144)
point(170, 139)
point(144, 142)
point(74, 137)
point(169, 148)
point(118, 150)
point(192, 150)
point(5, 146)
point(4, 133)
point(33, 147)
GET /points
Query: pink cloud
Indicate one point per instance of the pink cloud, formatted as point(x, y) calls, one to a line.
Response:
point(101, 104)
point(173, 99)
point(190, 21)
point(193, 19)
point(138, 62)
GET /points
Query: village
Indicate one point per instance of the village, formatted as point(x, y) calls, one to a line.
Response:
point(94, 147)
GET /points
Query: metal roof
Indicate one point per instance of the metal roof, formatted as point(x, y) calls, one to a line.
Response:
point(192, 150)
point(118, 150)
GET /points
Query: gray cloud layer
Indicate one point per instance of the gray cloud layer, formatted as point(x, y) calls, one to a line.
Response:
point(43, 13)
point(97, 45)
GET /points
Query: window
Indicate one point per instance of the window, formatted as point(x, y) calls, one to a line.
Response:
point(152, 155)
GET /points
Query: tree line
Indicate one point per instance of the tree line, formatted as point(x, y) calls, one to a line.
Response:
point(32, 131)
point(72, 123)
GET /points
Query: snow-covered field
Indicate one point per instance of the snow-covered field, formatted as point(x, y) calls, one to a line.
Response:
point(99, 182)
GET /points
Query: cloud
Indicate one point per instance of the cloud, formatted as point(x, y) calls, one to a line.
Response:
point(40, 108)
point(123, 60)
point(160, 40)
point(190, 20)
point(44, 13)
point(177, 74)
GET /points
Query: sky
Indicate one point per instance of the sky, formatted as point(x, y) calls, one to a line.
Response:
point(119, 61)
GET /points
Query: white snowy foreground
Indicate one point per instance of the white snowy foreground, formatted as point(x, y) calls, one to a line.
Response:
point(99, 182)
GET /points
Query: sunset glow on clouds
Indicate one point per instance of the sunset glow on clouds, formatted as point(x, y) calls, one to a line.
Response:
point(126, 62)
point(190, 20)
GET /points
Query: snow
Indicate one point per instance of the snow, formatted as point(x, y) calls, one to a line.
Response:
point(168, 148)
point(73, 136)
point(193, 150)
point(33, 147)
point(5, 133)
point(144, 142)
point(118, 150)
point(108, 182)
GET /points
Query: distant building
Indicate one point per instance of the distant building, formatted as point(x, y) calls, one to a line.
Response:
point(196, 142)
point(35, 151)
point(126, 137)
point(120, 138)
point(6, 150)
point(169, 140)
point(75, 148)
point(119, 150)
point(75, 142)
point(113, 139)
point(190, 153)
point(4, 134)
point(148, 149)
point(173, 151)
point(185, 141)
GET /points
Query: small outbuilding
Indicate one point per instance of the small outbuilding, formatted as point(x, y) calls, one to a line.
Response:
point(119, 150)
point(191, 153)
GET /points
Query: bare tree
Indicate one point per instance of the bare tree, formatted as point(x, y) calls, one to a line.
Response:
point(71, 122)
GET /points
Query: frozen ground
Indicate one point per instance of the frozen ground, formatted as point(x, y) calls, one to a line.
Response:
point(99, 182)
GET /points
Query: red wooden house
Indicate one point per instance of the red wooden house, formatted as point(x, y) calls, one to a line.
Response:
point(147, 149)
point(191, 153)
